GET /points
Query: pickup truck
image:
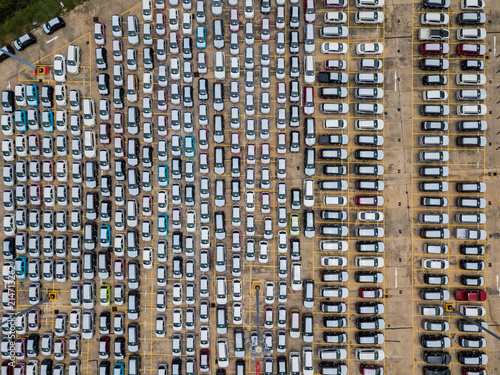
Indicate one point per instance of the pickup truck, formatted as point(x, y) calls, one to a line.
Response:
point(433, 34)
point(333, 77)
point(333, 139)
point(470, 234)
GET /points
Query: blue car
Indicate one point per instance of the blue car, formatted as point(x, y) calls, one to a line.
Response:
point(21, 267)
point(201, 37)
point(21, 120)
point(162, 225)
point(32, 95)
point(105, 236)
point(163, 175)
point(119, 368)
point(189, 146)
point(48, 121)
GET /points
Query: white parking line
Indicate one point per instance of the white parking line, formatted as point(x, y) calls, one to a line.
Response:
point(395, 80)
point(396, 277)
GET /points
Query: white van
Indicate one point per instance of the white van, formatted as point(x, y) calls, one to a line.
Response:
point(220, 65)
point(333, 245)
point(370, 354)
point(222, 353)
point(309, 69)
point(90, 144)
point(471, 79)
point(308, 192)
point(369, 124)
point(294, 359)
point(297, 276)
point(472, 110)
point(295, 325)
point(89, 114)
point(471, 34)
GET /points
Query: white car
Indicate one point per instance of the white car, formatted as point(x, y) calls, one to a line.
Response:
point(370, 216)
point(147, 258)
point(434, 18)
point(334, 47)
point(269, 293)
point(59, 68)
point(204, 336)
point(369, 48)
point(435, 264)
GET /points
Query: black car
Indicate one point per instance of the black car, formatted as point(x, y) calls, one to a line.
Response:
point(53, 25)
point(118, 97)
point(46, 367)
point(433, 370)
point(187, 48)
point(440, 126)
point(332, 77)
point(434, 64)
point(437, 358)
point(103, 83)
point(176, 366)
point(472, 249)
point(472, 64)
point(8, 101)
point(3, 55)
point(265, 6)
point(471, 18)
point(101, 58)
point(24, 41)
point(436, 4)
point(434, 80)
point(32, 345)
point(47, 96)
point(104, 368)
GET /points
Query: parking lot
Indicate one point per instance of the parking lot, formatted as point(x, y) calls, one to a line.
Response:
point(267, 151)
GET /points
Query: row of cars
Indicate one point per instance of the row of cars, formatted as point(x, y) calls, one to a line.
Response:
point(368, 171)
point(433, 161)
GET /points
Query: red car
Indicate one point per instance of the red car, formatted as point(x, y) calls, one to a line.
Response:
point(105, 133)
point(308, 100)
point(470, 295)
point(309, 11)
point(6, 368)
point(434, 48)
point(369, 200)
point(464, 49)
point(205, 360)
point(371, 369)
point(473, 371)
point(371, 293)
point(104, 347)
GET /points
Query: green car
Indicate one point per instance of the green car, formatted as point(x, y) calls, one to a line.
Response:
point(294, 224)
point(105, 295)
